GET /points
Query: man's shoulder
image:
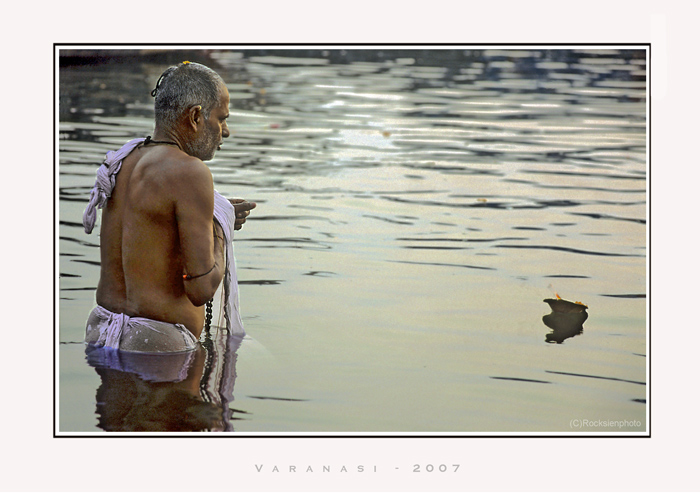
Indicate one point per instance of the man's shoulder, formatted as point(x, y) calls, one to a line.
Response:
point(188, 175)
point(181, 164)
point(177, 169)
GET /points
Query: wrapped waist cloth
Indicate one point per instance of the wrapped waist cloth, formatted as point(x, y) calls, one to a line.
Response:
point(148, 366)
point(136, 334)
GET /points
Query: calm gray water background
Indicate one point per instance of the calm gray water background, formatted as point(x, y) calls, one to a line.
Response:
point(414, 210)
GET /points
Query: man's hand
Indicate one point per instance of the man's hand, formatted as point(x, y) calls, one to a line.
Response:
point(243, 209)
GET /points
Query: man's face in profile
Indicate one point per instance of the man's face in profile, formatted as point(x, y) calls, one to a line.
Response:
point(215, 129)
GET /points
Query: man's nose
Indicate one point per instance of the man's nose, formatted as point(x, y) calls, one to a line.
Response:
point(225, 133)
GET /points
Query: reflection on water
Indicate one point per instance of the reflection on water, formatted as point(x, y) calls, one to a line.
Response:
point(166, 392)
point(564, 325)
point(413, 208)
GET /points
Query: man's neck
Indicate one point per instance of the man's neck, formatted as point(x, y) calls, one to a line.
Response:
point(168, 137)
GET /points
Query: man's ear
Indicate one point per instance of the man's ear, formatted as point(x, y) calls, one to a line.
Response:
point(194, 116)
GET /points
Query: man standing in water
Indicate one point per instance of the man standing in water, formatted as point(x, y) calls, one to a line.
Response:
point(165, 230)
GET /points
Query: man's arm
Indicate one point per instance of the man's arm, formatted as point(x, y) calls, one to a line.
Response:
point(201, 243)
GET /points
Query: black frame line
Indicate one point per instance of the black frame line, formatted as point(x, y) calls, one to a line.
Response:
point(242, 436)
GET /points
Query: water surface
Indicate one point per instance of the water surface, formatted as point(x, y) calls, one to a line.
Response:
point(415, 208)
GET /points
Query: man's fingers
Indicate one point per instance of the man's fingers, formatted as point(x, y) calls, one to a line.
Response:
point(243, 210)
point(242, 205)
point(245, 206)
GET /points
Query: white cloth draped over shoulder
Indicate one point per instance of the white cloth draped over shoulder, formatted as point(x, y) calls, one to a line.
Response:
point(104, 184)
point(224, 214)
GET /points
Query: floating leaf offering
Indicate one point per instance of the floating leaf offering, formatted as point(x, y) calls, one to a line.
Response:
point(565, 306)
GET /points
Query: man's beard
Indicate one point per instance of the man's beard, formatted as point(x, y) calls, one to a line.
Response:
point(205, 148)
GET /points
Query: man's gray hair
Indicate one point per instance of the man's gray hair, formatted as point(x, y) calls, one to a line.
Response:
point(182, 86)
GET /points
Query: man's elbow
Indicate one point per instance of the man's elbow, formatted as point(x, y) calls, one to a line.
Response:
point(199, 299)
point(202, 291)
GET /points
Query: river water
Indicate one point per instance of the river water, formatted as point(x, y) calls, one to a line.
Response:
point(415, 208)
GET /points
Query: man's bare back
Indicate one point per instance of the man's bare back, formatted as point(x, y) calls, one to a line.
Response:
point(157, 227)
point(162, 250)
